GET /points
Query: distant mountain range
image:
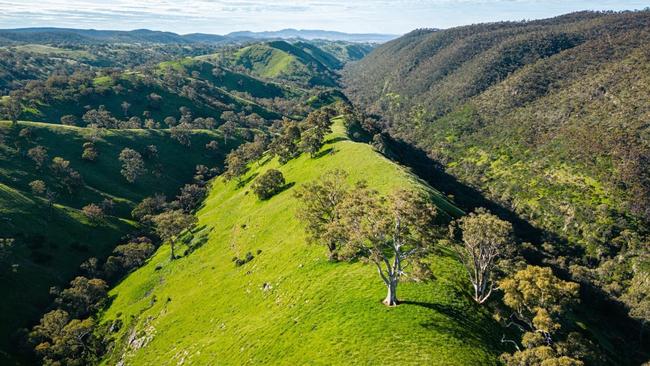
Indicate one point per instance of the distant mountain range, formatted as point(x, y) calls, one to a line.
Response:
point(311, 34)
point(92, 36)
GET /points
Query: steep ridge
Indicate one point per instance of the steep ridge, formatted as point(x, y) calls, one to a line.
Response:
point(289, 304)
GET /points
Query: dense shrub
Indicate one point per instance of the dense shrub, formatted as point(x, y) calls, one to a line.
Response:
point(269, 184)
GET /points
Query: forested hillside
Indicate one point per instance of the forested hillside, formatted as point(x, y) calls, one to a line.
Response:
point(66, 197)
point(548, 118)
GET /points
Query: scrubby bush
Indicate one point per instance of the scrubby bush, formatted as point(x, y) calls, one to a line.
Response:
point(38, 187)
point(93, 212)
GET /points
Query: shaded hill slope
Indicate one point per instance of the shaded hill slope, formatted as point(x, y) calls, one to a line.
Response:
point(289, 304)
point(51, 241)
point(548, 118)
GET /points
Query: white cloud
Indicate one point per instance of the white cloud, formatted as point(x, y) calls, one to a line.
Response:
point(221, 16)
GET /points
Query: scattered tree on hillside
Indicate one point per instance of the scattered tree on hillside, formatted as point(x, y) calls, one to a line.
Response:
point(228, 129)
point(285, 146)
point(39, 155)
point(201, 174)
point(236, 165)
point(318, 209)
point(125, 108)
point(149, 207)
point(312, 141)
point(484, 238)
point(129, 256)
point(68, 120)
point(59, 165)
point(212, 145)
point(182, 133)
point(269, 184)
point(191, 196)
point(131, 123)
point(170, 224)
point(107, 205)
point(132, 164)
point(94, 213)
point(12, 109)
point(387, 231)
point(38, 187)
point(83, 297)
point(100, 118)
point(150, 152)
point(538, 300)
point(89, 152)
point(170, 121)
point(69, 178)
point(254, 150)
point(379, 143)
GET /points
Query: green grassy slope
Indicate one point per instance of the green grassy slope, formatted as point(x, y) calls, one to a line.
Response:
point(265, 61)
point(225, 78)
point(286, 61)
point(201, 309)
point(52, 242)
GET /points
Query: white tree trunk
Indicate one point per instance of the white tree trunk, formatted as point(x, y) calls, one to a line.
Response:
point(391, 295)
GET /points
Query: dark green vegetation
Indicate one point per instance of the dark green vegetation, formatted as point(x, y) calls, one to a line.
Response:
point(51, 233)
point(548, 119)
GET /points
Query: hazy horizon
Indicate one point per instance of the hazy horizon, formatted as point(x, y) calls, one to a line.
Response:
point(225, 16)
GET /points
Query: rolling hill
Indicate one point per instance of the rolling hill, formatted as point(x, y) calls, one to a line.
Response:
point(289, 304)
point(253, 79)
point(160, 91)
point(92, 36)
point(309, 64)
point(51, 241)
point(45, 35)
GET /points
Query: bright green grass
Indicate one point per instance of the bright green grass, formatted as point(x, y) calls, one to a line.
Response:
point(103, 81)
point(52, 242)
point(265, 61)
point(202, 310)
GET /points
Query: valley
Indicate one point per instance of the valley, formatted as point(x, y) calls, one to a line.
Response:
point(476, 195)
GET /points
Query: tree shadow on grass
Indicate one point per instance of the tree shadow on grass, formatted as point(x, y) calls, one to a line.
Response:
point(335, 140)
point(458, 324)
point(280, 190)
point(249, 179)
point(324, 152)
point(265, 160)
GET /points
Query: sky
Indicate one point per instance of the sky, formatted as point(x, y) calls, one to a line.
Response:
point(224, 16)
